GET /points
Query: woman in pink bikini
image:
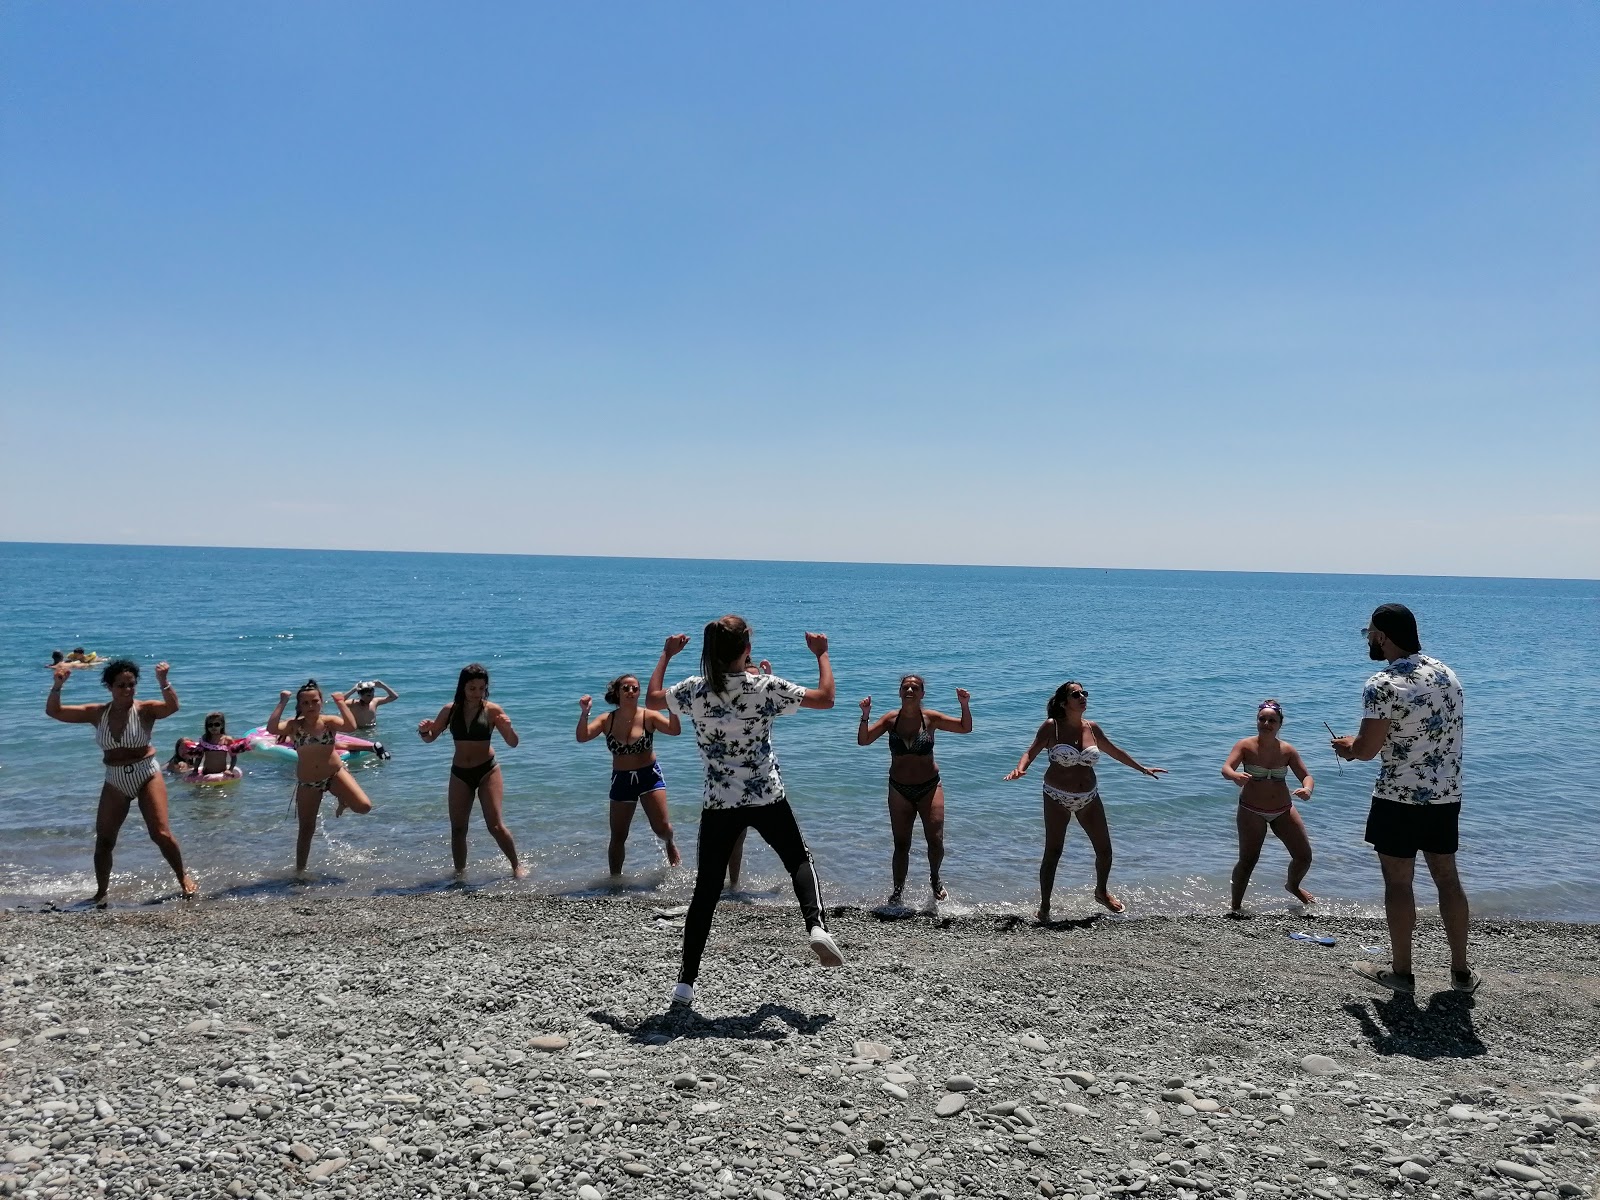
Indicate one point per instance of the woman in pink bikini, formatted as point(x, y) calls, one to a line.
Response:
point(1073, 746)
point(1259, 765)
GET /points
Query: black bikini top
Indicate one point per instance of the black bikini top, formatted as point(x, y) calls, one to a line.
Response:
point(480, 729)
point(642, 745)
point(921, 742)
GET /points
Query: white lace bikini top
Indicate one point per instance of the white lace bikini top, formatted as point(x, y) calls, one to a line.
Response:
point(1064, 755)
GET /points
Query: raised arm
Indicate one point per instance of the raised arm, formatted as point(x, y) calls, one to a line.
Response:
point(502, 723)
point(1230, 769)
point(155, 710)
point(71, 714)
point(1298, 766)
point(1035, 748)
point(820, 696)
point(663, 722)
point(869, 730)
point(590, 728)
point(346, 718)
point(656, 693)
point(429, 731)
point(389, 696)
point(1122, 756)
point(275, 721)
point(948, 724)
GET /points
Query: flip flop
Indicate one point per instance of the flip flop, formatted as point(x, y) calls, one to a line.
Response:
point(1319, 939)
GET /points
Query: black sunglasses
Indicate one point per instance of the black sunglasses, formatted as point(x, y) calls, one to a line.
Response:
point(1077, 695)
point(213, 724)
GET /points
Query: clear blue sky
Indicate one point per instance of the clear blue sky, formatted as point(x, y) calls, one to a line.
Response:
point(1272, 286)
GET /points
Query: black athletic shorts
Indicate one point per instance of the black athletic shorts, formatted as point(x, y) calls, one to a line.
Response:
point(1400, 830)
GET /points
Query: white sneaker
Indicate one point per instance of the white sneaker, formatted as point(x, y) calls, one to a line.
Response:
point(683, 994)
point(825, 948)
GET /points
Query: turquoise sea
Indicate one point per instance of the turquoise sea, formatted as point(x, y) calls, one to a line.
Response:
point(1175, 662)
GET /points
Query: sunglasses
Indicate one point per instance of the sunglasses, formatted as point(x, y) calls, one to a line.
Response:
point(213, 724)
point(1077, 695)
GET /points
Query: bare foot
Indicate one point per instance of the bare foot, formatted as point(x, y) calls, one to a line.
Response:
point(1109, 901)
point(674, 859)
point(191, 888)
point(518, 871)
point(1238, 914)
point(938, 891)
point(1300, 894)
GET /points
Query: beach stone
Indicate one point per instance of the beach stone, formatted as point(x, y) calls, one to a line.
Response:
point(1032, 1041)
point(874, 1051)
point(636, 1168)
point(1079, 1110)
point(950, 1104)
point(1585, 1114)
point(324, 1169)
point(685, 1082)
point(103, 1109)
point(1178, 1096)
point(302, 1151)
point(185, 1083)
point(1415, 1172)
point(1205, 1105)
point(1319, 1064)
point(1516, 1170)
point(548, 1043)
point(23, 1153)
point(895, 1090)
point(1081, 1078)
point(959, 1083)
point(236, 1111)
point(1003, 1109)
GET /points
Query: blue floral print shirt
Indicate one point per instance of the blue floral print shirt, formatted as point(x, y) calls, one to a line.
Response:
point(1421, 699)
point(734, 732)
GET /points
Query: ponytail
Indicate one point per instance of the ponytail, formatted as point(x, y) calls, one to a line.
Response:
point(726, 639)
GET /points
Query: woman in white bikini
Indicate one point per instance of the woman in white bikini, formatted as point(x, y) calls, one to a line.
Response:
point(314, 736)
point(1073, 746)
point(914, 787)
point(636, 779)
point(1260, 766)
point(122, 730)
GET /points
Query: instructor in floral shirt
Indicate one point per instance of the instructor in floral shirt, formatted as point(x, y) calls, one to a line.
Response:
point(1412, 714)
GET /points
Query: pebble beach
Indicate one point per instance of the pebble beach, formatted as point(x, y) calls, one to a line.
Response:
point(465, 1043)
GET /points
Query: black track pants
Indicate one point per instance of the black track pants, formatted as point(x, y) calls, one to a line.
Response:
point(719, 829)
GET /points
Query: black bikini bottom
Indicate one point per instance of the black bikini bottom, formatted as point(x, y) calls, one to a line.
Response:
point(916, 792)
point(473, 776)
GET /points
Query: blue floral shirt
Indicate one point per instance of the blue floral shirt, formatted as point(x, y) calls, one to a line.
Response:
point(734, 732)
point(1421, 699)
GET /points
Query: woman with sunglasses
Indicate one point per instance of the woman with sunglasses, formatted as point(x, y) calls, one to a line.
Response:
point(122, 730)
point(472, 721)
point(1259, 765)
point(636, 777)
point(319, 769)
point(215, 757)
point(914, 788)
point(1073, 746)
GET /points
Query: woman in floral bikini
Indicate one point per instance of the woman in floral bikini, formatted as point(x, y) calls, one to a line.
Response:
point(732, 711)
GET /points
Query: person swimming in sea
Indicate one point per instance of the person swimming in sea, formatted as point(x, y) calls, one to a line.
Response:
point(1260, 765)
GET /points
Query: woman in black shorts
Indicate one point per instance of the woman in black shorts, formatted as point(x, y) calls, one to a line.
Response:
point(636, 777)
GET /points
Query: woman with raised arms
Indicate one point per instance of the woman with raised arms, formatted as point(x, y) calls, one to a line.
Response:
point(472, 721)
point(122, 730)
point(318, 767)
point(732, 711)
point(1259, 765)
point(1073, 746)
point(636, 779)
point(914, 788)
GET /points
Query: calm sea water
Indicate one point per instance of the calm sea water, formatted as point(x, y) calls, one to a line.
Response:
point(1175, 662)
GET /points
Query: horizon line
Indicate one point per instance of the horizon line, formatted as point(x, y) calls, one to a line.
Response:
point(790, 561)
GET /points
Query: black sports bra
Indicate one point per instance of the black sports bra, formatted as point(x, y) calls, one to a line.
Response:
point(480, 730)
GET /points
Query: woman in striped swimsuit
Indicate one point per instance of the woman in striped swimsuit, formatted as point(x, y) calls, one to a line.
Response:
point(1073, 746)
point(122, 730)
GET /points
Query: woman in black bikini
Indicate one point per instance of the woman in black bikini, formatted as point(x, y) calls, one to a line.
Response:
point(474, 773)
point(319, 769)
point(636, 776)
point(914, 787)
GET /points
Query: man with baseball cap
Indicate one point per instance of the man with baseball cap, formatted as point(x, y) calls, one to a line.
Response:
point(1412, 713)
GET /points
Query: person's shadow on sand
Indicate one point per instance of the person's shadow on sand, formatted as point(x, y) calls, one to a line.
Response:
point(1443, 1029)
point(769, 1023)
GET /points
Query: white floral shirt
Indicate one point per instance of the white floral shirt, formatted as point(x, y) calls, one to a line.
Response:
point(1421, 699)
point(734, 732)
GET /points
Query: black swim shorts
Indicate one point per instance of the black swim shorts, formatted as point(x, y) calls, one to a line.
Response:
point(1400, 830)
